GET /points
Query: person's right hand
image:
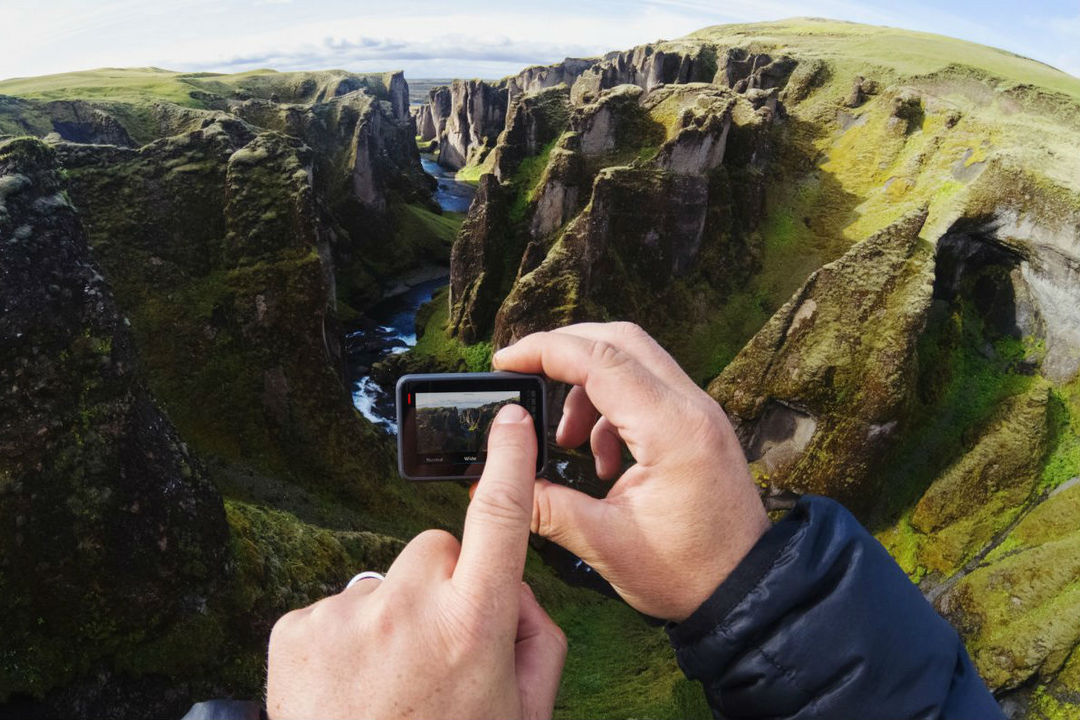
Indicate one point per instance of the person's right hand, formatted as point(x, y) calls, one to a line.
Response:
point(679, 520)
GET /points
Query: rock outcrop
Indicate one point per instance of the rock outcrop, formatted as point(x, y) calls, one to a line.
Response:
point(477, 115)
point(111, 535)
point(534, 121)
point(540, 77)
point(432, 116)
point(647, 66)
point(643, 226)
point(816, 395)
point(641, 231)
point(481, 265)
point(1020, 609)
point(222, 255)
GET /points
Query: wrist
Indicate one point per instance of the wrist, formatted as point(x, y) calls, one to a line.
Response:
point(731, 551)
point(737, 583)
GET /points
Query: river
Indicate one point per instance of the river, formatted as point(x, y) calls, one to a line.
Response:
point(389, 327)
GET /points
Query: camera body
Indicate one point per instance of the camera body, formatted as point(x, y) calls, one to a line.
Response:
point(443, 420)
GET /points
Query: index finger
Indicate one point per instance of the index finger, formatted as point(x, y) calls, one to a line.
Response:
point(636, 342)
point(642, 408)
point(496, 534)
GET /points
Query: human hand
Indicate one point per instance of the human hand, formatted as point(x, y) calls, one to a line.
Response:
point(679, 520)
point(452, 631)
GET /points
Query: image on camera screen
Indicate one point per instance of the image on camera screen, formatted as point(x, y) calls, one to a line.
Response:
point(457, 422)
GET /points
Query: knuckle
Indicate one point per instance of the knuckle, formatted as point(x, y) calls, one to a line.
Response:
point(604, 354)
point(286, 628)
point(630, 330)
point(558, 639)
point(435, 541)
point(499, 504)
point(542, 520)
point(325, 611)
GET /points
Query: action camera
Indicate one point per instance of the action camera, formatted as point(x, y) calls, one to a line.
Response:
point(443, 421)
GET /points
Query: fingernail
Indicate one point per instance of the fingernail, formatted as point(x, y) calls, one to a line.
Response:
point(511, 414)
point(501, 353)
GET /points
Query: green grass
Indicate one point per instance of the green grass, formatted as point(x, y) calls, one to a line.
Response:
point(959, 389)
point(113, 84)
point(1063, 462)
point(618, 666)
point(449, 352)
point(904, 51)
point(525, 179)
point(140, 85)
point(419, 223)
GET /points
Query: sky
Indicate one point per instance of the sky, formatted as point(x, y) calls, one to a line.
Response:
point(462, 38)
point(465, 399)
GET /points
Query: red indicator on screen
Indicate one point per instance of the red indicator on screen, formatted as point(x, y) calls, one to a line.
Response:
point(408, 399)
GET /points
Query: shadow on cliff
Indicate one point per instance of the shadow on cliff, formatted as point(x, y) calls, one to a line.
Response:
point(972, 356)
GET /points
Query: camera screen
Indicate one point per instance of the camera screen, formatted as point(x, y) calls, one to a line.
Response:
point(458, 422)
point(444, 419)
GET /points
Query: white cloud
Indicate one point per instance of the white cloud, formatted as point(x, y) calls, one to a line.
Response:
point(468, 37)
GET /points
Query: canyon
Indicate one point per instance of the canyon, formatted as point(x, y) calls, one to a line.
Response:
point(863, 242)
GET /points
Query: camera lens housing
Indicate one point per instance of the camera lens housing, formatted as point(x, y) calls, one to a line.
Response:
point(443, 421)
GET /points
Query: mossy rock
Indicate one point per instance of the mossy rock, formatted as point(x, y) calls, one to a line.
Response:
point(1020, 611)
point(987, 488)
point(482, 262)
point(112, 535)
point(818, 392)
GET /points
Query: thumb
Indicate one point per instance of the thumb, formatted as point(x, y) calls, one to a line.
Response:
point(539, 653)
point(570, 518)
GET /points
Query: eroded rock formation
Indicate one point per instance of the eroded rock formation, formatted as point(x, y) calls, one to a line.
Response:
point(111, 535)
point(842, 353)
point(883, 265)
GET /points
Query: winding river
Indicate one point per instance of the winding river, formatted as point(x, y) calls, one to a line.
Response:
point(389, 326)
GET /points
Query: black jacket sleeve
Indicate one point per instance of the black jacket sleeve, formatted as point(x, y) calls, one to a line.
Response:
point(818, 621)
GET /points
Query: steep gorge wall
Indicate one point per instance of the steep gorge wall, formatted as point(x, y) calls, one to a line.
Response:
point(94, 480)
point(212, 357)
point(882, 264)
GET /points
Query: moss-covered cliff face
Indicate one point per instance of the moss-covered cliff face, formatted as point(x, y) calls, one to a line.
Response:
point(234, 226)
point(864, 242)
point(817, 394)
point(111, 534)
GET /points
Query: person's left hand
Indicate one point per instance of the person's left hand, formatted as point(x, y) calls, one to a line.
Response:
point(451, 632)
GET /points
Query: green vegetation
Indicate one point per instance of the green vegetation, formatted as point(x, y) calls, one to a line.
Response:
point(1063, 462)
point(959, 389)
point(122, 85)
point(435, 343)
point(525, 181)
point(197, 90)
point(618, 665)
point(471, 173)
point(904, 52)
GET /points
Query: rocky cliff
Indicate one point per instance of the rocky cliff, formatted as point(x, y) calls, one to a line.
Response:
point(210, 364)
point(871, 265)
point(465, 119)
point(111, 534)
